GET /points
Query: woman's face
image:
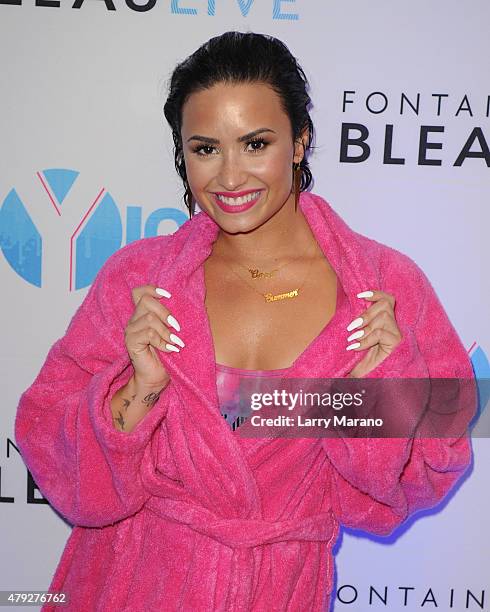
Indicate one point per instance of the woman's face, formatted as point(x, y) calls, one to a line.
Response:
point(236, 138)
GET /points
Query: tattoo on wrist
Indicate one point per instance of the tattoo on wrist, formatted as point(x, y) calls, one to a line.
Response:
point(120, 421)
point(151, 398)
point(127, 402)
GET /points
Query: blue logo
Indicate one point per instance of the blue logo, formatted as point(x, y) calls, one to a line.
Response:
point(175, 8)
point(481, 369)
point(95, 232)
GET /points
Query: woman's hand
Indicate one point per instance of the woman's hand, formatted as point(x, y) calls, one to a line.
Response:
point(375, 330)
point(147, 332)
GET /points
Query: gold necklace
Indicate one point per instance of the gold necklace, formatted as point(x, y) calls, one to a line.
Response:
point(256, 273)
point(270, 297)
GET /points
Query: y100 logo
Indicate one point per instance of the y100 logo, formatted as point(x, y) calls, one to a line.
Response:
point(88, 217)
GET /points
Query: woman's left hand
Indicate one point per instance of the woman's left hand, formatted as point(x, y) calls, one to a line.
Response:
point(375, 330)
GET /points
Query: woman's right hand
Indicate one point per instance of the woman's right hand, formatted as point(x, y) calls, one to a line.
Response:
point(149, 330)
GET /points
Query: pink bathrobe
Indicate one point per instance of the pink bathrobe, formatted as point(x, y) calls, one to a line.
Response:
point(184, 514)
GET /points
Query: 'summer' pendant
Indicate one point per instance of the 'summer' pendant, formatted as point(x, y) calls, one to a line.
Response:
point(269, 297)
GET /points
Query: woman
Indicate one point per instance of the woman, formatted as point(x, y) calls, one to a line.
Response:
point(128, 429)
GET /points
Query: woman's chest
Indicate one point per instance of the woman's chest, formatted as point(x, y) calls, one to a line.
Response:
point(249, 332)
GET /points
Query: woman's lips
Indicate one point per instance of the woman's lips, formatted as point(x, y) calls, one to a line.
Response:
point(236, 208)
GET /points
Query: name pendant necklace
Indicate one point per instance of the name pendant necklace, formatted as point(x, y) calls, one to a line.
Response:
point(271, 297)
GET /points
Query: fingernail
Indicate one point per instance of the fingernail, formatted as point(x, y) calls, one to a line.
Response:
point(171, 347)
point(163, 292)
point(174, 323)
point(353, 346)
point(355, 323)
point(356, 335)
point(365, 294)
point(177, 340)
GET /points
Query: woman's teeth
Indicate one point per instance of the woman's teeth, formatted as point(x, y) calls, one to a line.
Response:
point(238, 201)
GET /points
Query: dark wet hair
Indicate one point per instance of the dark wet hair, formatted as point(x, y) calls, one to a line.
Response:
point(240, 57)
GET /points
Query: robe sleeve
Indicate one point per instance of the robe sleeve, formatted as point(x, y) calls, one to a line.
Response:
point(83, 466)
point(377, 483)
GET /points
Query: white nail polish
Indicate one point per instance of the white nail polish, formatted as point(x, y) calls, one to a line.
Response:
point(355, 323)
point(356, 335)
point(173, 322)
point(365, 294)
point(353, 346)
point(163, 292)
point(171, 347)
point(176, 340)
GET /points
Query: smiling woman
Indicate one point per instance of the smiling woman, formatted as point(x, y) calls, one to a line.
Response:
point(236, 162)
point(242, 175)
point(138, 435)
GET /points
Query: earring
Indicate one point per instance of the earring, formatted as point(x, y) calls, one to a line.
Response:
point(297, 183)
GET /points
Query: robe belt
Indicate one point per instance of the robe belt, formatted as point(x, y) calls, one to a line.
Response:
point(242, 532)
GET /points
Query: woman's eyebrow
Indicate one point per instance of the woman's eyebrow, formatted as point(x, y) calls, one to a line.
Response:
point(240, 139)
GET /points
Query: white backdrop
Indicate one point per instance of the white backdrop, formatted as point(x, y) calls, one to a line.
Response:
point(87, 165)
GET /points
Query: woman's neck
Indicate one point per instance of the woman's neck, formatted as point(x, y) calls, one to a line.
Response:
point(281, 237)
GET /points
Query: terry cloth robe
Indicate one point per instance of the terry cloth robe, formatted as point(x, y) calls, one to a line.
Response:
point(182, 514)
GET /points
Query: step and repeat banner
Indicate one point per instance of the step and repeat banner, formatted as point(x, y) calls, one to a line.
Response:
point(401, 106)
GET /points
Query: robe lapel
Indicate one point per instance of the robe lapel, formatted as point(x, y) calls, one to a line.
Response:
point(356, 271)
point(193, 369)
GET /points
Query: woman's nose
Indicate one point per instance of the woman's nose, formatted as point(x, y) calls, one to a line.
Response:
point(231, 173)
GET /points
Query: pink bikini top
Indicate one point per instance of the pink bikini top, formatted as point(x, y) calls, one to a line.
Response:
point(228, 379)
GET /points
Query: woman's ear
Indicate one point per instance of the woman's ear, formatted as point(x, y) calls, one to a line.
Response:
point(300, 145)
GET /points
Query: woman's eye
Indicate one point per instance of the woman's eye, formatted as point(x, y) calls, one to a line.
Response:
point(258, 141)
point(201, 148)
